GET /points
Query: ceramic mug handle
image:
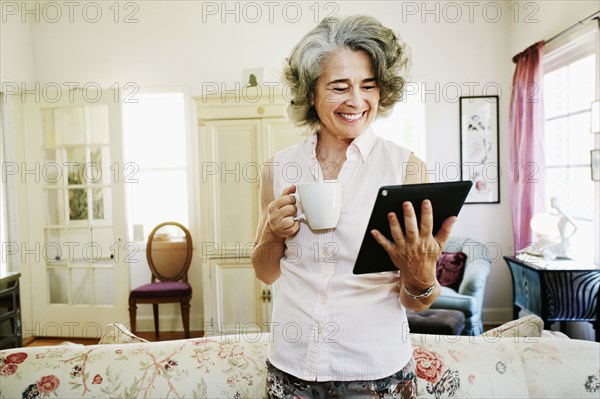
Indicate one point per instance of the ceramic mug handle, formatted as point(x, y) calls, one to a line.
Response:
point(299, 215)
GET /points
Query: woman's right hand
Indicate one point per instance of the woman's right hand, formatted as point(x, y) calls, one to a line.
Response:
point(281, 214)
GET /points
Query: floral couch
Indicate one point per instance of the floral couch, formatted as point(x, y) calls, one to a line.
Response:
point(234, 367)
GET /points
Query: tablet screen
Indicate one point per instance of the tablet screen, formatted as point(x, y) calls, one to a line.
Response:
point(446, 199)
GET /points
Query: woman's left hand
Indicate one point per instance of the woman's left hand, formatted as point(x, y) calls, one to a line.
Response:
point(415, 253)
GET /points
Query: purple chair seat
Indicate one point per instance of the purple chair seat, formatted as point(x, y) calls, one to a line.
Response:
point(162, 289)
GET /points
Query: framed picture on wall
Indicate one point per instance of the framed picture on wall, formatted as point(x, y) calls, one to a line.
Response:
point(479, 149)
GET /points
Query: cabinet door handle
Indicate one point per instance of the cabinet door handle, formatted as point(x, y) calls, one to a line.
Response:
point(266, 295)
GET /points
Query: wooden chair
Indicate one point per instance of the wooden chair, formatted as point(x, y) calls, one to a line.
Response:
point(169, 257)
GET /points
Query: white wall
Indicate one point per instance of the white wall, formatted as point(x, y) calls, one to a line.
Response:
point(16, 66)
point(550, 18)
point(191, 44)
point(16, 50)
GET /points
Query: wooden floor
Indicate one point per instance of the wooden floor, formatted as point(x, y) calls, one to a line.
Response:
point(149, 335)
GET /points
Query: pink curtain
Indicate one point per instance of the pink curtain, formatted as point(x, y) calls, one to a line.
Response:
point(526, 130)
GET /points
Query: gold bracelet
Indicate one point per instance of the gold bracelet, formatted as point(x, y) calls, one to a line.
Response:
point(427, 292)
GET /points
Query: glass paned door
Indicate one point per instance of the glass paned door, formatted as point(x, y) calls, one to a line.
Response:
point(78, 219)
point(80, 233)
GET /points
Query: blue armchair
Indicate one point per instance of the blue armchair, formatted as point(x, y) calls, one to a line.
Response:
point(469, 298)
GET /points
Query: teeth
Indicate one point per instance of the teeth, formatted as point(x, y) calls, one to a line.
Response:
point(352, 117)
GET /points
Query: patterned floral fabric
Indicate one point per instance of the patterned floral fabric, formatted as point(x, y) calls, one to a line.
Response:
point(196, 368)
point(235, 367)
point(494, 367)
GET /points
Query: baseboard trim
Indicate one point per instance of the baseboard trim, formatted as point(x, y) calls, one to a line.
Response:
point(497, 315)
point(167, 323)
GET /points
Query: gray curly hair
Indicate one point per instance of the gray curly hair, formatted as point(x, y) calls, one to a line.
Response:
point(358, 33)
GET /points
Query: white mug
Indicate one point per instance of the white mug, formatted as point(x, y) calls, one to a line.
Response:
point(320, 202)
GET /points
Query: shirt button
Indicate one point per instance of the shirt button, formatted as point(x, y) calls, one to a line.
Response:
point(323, 300)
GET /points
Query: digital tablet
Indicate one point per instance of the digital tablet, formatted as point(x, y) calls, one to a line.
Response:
point(446, 199)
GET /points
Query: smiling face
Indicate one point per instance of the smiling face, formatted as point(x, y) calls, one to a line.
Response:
point(346, 95)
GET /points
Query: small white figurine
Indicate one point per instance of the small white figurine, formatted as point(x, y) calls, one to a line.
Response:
point(560, 249)
point(553, 231)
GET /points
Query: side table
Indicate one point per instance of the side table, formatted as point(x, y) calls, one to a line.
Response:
point(561, 291)
point(10, 311)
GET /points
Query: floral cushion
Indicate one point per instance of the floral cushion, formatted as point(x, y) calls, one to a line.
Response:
point(459, 367)
point(195, 368)
point(117, 333)
point(494, 367)
point(527, 326)
point(450, 268)
point(561, 368)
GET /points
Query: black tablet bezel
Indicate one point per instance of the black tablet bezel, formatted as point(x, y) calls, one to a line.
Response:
point(446, 199)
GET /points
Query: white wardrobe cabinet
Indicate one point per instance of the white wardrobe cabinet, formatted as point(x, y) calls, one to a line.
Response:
point(236, 136)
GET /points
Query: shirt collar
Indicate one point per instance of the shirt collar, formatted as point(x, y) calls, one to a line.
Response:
point(363, 143)
point(313, 145)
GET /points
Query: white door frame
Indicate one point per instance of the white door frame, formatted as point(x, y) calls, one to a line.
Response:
point(68, 319)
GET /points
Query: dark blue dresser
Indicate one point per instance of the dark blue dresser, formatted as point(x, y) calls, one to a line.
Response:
point(560, 291)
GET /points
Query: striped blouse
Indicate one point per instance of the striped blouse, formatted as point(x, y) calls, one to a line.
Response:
point(329, 324)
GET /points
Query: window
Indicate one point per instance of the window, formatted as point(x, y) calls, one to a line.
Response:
point(570, 87)
point(404, 125)
point(155, 170)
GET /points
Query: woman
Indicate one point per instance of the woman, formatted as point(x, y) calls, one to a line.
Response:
point(336, 334)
